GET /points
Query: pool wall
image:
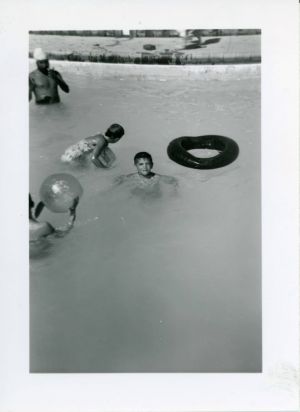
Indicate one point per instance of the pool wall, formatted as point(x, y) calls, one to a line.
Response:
point(209, 72)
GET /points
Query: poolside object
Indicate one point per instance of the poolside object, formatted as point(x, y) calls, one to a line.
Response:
point(59, 190)
point(178, 151)
point(149, 47)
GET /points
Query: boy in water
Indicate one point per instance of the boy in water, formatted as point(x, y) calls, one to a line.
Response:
point(146, 181)
point(39, 230)
point(95, 148)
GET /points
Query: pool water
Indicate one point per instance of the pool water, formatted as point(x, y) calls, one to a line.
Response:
point(168, 283)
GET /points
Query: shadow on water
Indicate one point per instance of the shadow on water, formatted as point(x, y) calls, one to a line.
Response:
point(40, 249)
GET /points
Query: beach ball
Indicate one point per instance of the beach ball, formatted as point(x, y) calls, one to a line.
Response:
point(59, 190)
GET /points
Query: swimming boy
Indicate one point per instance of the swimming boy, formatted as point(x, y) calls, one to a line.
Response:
point(38, 230)
point(145, 181)
point(95, 148)
point(44, 82)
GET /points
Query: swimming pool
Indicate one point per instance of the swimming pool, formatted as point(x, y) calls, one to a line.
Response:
point(158, 285)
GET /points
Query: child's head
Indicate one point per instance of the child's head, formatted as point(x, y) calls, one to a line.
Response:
point(114, 132)
point(144, 163)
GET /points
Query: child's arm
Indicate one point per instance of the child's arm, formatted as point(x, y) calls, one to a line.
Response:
point(39, 208)
point(123, 178)
point(59, 80)
point(70, 224)
point(48, 229)
point(119, 180)
point(169, 179)
point(101, 145)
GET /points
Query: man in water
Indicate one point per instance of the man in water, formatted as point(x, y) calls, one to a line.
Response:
point(44, 82)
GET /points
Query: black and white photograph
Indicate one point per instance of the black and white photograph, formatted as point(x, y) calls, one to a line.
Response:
point(147, 255)
point(153, 164)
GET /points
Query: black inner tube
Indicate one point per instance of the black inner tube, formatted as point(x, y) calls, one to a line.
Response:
point(178, 151)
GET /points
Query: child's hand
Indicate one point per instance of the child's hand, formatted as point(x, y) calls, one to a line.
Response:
point(74, 205)
point(97, 162)
point(52, 73)
point(38, 210)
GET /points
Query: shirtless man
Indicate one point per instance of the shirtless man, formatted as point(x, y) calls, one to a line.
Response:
point(44, 82)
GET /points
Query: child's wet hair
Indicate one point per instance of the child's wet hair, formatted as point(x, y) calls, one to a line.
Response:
point(115, 131)
point(143, 155)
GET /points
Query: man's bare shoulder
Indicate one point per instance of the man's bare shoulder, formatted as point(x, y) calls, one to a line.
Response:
point(33, 73)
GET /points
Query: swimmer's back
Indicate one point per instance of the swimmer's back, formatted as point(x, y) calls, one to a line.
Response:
point(79, 149)
point(85, 148)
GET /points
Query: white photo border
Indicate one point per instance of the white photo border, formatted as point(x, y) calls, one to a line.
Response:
point(277, 387)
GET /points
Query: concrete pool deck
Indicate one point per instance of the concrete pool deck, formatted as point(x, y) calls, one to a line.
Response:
point(214, 50)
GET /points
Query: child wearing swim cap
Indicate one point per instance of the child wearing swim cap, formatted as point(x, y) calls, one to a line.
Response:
point(95, 148)
point(145, 180)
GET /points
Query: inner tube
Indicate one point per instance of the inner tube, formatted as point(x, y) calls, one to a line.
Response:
point(178, 151)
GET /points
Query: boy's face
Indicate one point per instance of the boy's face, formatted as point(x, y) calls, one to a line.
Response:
point(144, 166)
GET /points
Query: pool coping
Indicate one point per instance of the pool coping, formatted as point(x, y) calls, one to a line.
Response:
point(163, 72)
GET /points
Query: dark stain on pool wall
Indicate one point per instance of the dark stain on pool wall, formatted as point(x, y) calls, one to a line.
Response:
point(165, 59)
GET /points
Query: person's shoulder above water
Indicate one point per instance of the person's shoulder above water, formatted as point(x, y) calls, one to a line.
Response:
point(168, 179)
